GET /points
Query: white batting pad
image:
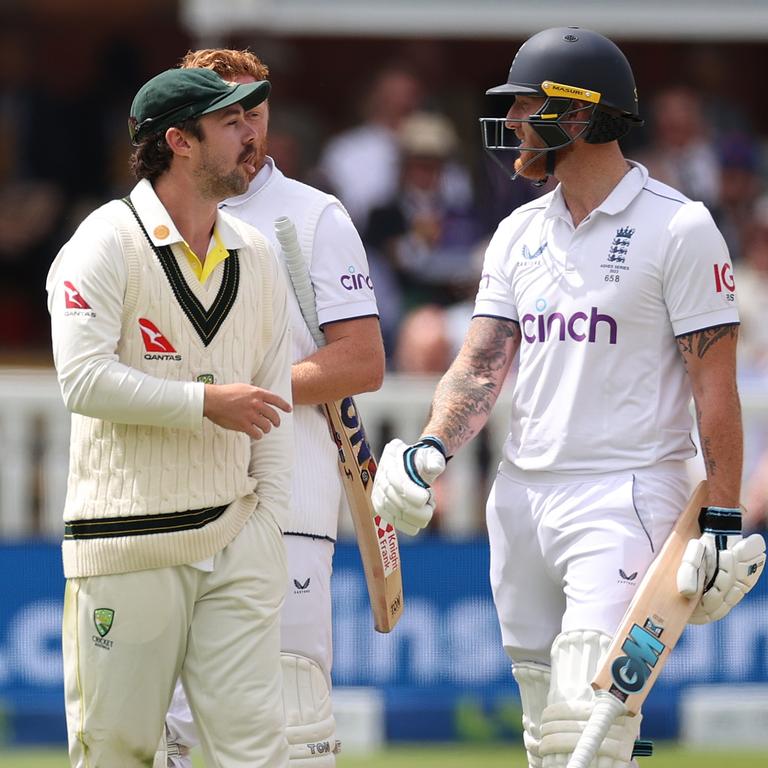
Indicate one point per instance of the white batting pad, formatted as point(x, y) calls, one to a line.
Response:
point(533, 680)
point(576, 656)
point(310, 727)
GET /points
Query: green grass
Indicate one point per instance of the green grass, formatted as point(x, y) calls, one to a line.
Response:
point(451, 756)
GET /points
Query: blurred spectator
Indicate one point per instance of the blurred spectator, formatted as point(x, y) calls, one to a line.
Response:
point(293, 133)
point(756, 497)
point(361, 165)
point(681, 153)
point(31, 220)
point(423, 239)
point(751, 276)
point(740, 186)
point(712, 74)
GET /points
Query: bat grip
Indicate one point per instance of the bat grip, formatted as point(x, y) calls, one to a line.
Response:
point(607, 709)
point(298, 271)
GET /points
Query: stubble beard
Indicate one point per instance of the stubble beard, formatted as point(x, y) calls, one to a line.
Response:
point(215, 184)
point(537, 168)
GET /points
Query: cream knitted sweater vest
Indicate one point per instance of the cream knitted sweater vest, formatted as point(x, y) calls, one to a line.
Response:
point(219, 334)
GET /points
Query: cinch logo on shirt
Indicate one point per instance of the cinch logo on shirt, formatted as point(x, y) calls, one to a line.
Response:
point(157, 346)
point(579, 326)
point(354, 281)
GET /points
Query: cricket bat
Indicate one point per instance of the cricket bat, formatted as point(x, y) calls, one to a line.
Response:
point(649, 631)
point(376, 538)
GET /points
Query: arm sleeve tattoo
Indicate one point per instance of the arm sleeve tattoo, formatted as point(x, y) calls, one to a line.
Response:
point(468, 391)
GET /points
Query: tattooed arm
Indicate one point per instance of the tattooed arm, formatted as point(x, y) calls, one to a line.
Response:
point(464, 398)
point(710, 359)
point(468, 390)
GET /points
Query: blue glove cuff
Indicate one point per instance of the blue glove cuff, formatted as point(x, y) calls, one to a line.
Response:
point(428, 441)
point(434, 442)
point(720, 520)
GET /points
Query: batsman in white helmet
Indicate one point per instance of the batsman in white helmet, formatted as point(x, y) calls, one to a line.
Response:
point(351, 362)
point(617, 293)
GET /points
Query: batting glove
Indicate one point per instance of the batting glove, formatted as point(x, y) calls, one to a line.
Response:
point(401, 491)
point(720, 563)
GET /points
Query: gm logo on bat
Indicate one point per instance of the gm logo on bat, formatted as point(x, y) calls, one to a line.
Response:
point(642, 649)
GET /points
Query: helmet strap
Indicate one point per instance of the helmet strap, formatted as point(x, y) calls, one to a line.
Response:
point(549, 168)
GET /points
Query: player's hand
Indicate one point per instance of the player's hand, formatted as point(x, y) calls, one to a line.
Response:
point(243, 408)
point(721, 564)
point(401, 491)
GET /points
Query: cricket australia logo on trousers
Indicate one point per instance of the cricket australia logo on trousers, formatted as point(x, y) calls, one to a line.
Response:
point(103, 618)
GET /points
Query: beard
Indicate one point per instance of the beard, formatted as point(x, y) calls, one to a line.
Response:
point(218, 184)
point(538, 161)
point(531, 164)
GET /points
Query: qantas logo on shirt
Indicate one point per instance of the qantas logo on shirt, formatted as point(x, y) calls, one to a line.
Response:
point(580, 326)
point(155, 344)
point(72, 297)
point(355, 281)
point(74, 303)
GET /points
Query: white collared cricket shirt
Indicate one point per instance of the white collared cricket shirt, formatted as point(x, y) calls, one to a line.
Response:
point(601, 383)
point(343, 291)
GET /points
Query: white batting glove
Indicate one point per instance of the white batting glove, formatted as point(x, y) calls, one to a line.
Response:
point(401, 491)
point(721, 563)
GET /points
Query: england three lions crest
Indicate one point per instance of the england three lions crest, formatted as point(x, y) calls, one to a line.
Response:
point(618, 253)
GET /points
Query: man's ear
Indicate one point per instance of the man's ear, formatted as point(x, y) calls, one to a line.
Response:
point(177, 141)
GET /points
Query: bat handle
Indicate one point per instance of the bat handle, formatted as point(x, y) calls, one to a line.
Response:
point(607, 709)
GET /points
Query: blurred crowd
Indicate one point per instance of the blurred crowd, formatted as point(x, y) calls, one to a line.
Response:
point(424, 200)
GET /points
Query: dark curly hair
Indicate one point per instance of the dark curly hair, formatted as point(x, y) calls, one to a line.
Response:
point(152, 157)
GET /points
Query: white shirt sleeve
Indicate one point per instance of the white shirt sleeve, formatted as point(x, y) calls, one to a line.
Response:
point(273, 456)
point(494, 295)
point(339, 269)
point(86, 289)
point(698, 276)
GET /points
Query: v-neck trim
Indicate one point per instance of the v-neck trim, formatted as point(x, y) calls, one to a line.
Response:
point(206, 322)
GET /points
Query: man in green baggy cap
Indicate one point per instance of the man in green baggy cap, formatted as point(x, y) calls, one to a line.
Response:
point(170, 337)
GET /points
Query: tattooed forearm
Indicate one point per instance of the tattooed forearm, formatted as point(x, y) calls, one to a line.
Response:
point(709, 460)
point(710, 359)
point(468, 391)
point(701, 342)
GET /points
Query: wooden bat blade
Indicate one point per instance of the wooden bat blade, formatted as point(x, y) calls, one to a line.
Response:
point(655, 618)
point(376, 539)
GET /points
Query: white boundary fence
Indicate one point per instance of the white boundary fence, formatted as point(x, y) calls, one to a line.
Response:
point(34, 435)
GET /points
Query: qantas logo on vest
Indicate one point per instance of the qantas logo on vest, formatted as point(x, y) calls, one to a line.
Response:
point(156, 345)
point(580, 326)
point(74, 303)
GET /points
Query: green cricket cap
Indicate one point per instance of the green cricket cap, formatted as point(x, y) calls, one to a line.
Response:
point(176, 95)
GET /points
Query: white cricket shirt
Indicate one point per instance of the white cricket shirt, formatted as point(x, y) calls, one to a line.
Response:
point(338, 269)
point(601, 384)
